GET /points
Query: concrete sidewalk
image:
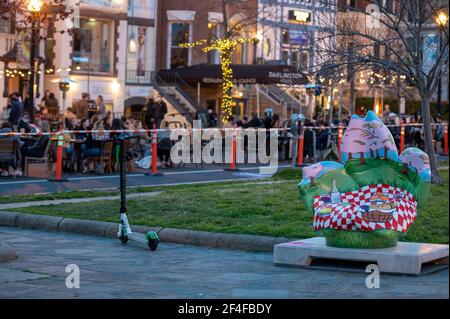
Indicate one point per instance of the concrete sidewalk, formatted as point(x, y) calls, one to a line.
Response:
point(111, 270)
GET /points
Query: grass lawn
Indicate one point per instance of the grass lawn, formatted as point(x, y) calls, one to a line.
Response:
point(264, 209)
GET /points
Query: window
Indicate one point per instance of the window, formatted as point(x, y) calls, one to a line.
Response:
point(286, 56)
point(6, 24)
point(267, 48)
point(389, 5)
point(213, 55)
point(179, 57)
point(239, 54)
point(93, 45)
point(304, 62)
point(49, 42)
point(376, 50)
point(139, 56)
point(286, 38)
point(294, 59)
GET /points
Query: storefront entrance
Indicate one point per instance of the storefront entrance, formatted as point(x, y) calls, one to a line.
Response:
point(134, 108)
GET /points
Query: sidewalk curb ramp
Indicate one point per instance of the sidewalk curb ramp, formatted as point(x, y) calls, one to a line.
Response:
point(255, 243)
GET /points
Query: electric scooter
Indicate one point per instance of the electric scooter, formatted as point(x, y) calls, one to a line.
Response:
point(124, 233)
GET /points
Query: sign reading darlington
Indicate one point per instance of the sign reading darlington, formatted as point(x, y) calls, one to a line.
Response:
point(298, 16)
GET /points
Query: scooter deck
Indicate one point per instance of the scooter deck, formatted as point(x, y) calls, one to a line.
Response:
point(139, 237)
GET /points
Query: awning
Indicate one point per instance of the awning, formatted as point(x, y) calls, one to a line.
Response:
point(211, 74)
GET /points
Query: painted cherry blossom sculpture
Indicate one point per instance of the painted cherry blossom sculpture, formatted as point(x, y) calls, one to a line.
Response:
point(373, 195)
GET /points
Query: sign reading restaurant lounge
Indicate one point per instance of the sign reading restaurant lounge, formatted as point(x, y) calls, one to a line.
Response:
point(299, 16)
point(239, 81)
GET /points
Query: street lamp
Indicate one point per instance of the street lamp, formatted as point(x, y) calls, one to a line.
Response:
point(34, 7)
point(441, 20)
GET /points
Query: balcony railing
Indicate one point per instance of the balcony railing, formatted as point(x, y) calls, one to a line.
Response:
point(139, 77)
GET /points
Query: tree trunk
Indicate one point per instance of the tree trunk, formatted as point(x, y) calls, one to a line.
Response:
point(361, 158)
point(352, 95)
point(385, 152)
point(371, 153)
point(350, 156)
point(428, 139)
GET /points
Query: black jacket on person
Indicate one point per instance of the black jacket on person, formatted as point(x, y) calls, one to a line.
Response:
point(39, 146)
point(156, 112)
point(16, 112)
point(91, 143)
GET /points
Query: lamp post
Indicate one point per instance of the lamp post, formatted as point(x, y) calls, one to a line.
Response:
point(441, 20)
point(34, 7)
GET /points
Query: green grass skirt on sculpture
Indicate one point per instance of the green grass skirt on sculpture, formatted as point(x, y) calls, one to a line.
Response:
point(358, 239)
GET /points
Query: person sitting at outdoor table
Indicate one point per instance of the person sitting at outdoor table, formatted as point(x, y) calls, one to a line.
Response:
point(38, 148)
point(68, 117)
point(6, 128)
point(92, 146)
point(141, 143)
point(164, 147)
point(51, 104)
point(24, 123)
point(43, 114)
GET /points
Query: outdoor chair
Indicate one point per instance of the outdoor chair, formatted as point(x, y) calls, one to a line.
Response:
point(128, 145)
point(44, 159)
point(105, 157)
point(9, 153)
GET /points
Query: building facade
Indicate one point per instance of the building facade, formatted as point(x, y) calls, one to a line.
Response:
point(110, 53)
point(288, 31)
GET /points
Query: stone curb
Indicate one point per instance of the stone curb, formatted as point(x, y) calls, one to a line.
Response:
point(169, 235)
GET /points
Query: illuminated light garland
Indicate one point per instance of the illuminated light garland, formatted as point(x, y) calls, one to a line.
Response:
point(225, 47)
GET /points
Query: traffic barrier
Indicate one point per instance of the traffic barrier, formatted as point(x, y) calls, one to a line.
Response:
point(169, 130)
point(233, 154)
point(154, 143)
point(300, 148)
point(59, 161)
point(402, 138)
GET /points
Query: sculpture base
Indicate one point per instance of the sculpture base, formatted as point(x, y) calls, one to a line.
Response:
point(405, 258)
point(384, 238)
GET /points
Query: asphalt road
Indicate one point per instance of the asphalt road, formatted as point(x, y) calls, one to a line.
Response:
point(111, 270)
point(210, 173)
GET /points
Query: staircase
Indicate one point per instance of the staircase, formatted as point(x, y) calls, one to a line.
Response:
point(179, 94)
point(280, 96)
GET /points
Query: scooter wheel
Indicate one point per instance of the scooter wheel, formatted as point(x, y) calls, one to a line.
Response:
point(153, 244)
point(123, 239)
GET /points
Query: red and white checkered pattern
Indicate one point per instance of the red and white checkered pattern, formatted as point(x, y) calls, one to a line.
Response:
point(347, 215)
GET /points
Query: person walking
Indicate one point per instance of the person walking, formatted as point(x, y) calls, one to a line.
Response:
point(148, 108)
point(82, 107)
point(159, 110)
point(16, 110)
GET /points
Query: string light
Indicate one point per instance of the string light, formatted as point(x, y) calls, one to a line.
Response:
point(225, 47)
